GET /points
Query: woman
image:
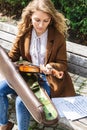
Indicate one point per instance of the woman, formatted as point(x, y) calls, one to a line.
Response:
point(41, 39)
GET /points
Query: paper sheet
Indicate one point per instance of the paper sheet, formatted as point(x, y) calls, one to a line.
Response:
point(72, 108)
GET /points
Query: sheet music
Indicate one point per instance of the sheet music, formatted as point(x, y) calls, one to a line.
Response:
point(72, 108)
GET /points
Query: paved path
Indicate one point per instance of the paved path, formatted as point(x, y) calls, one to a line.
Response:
point(80, 84)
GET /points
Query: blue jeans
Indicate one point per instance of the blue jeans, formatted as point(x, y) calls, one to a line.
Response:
point(22, 114)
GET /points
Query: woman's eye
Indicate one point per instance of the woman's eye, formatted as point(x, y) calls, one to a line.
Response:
point(46, 21)
point(37, 20)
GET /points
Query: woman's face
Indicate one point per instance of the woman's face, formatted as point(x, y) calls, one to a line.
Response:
point(40, 21)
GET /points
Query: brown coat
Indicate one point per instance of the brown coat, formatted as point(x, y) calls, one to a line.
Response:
point(55, 55)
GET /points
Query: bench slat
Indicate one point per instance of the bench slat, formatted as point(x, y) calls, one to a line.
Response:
point(6, 45)
point(76, 59)
point(8, 28)
point(77, 49)
point(77, 69)
point(7, 36)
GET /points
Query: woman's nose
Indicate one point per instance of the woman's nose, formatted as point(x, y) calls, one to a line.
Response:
point(40, 24)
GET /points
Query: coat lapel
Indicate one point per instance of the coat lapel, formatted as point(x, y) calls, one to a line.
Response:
point(27, 46)
point(50, 43)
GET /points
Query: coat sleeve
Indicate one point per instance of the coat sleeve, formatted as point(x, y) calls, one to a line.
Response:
point(60, 55)
point(14, 53)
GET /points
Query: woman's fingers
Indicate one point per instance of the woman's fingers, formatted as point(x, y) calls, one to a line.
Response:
point(49, 70)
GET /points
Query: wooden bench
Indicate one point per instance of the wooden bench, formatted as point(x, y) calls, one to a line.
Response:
point(7, 35)
point(77, 58)
point(76, 54)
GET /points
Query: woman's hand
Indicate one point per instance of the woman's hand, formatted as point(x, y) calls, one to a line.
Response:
point(46, 69)
point(58, 74)
point(49, 70)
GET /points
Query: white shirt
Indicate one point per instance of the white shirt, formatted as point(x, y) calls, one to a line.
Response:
point(38, 52)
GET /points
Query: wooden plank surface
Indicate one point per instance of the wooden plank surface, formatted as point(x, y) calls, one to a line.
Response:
point(77, 125)
point(74, 125)
point(8, 28)
point(84, 121)
point(77, 69)
point(5, 44)
point(77, 60)
point(7, 36)
point(77, 49)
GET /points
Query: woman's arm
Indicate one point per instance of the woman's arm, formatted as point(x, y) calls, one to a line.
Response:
point(14, 53)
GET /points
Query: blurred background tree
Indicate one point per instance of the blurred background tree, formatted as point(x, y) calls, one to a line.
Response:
point(75, 11)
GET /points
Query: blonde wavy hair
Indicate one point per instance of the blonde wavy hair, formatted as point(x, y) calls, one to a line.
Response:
point(57, 19)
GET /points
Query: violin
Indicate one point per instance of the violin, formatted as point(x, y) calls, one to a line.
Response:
point(29, 68)
point(25, 66)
